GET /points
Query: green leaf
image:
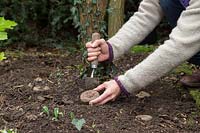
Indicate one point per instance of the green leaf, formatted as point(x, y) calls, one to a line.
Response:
point(2, 56)
point(8, 131)
point(6, 24)
point(196, 96)
point(94, 1)
point(3, 35)
point(72, 116)
point(56, 114)
point(45, 109)
point(78, 123)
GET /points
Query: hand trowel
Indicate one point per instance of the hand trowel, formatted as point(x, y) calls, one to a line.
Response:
point(92, 82)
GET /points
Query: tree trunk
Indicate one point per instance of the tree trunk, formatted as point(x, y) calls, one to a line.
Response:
point(116, 16)
point(92, 15)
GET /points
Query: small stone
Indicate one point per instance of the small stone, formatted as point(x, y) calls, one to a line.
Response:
point(30, 85)
point(37, 88)
point(38, 79)
point(46, 88)
point(143, 94)
point(89, 95)
point(31, 117)
point(18, 86)
point(128, 65)
point(160, 109)
point(40, 98)
point(144, 117)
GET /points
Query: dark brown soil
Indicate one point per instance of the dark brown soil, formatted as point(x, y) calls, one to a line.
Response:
point(172, 108)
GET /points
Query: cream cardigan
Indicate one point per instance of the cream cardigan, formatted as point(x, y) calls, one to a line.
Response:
point(183, 43)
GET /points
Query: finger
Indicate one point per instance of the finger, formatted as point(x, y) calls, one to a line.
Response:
point(94, 54)
point(92, 58)
point(106, 100)
point(88, 45)
point(93, 49)
point(100, 87)
point(99, 99)
point(98, 43)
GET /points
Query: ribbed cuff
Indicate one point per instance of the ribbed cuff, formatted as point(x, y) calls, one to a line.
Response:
point(111, 56)
point(122, 88)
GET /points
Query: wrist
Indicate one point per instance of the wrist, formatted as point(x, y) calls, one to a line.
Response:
point(110, 52)
point(121, 86)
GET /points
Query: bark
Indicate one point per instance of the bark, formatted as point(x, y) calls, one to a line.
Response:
point(116, 16)
point(91, 16)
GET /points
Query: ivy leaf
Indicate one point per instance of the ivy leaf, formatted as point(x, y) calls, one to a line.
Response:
point(6, 24)
point(2, 56)
point(94, 1)
point(78, 123)
point(3, 35)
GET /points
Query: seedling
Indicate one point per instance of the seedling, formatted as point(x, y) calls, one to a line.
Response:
point(78, 123)
point(56, 113)
point(2, 56)
point(8, 131)
point(45, 110)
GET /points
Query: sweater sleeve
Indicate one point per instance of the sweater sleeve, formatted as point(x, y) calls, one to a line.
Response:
point(183, 43)
point(137, 28)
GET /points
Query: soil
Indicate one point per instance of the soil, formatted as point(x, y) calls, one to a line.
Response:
point(34, 80)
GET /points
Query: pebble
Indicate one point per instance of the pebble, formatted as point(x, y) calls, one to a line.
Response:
point(144, 117)
point(38, 79)
point(30, 85)
point(40, 98)
point(143, 94)
point(37, 88)
point(31, 117)
point(46, 88)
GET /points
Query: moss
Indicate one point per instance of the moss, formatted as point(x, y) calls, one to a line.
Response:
point(190, 121)
point(143, 49)
point(196, 96)
point(183, 68)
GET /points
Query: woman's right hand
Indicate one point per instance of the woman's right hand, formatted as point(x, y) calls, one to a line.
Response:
point(98, 50)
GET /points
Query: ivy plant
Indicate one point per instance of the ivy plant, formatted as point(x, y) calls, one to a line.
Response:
point(4, 25)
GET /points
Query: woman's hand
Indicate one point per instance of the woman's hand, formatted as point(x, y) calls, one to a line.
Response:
point(97, 50)
point(112, 90)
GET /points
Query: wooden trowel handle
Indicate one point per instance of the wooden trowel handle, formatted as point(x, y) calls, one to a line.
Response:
point(95, 36)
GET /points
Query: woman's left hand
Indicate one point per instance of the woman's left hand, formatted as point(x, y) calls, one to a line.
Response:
point(112, 90)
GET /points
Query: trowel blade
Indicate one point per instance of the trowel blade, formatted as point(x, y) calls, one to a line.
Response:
point(91, 83)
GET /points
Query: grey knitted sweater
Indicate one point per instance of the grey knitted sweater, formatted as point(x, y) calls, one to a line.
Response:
point(183, 43)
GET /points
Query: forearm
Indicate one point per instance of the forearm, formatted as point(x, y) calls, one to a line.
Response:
point(184, 42)
point(137, 28)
